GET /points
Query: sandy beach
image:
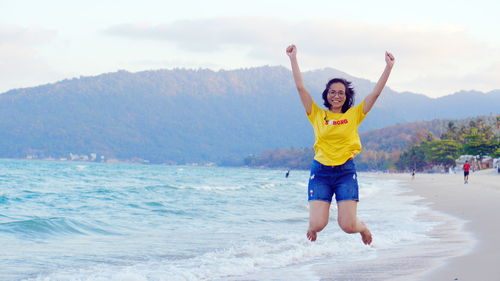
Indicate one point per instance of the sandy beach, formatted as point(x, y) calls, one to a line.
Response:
point(465, 243)
point(478, 203)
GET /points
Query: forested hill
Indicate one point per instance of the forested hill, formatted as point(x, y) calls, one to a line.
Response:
point(401, 136)
point(184, 116)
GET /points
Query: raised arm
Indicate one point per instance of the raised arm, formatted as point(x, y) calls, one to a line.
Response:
point(305, 96)
point(372, 98)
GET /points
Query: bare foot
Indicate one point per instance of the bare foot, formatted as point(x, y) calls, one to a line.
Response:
point(366, 235)
point(311, 235)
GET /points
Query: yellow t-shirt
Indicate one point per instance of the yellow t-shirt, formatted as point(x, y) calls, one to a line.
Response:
point(336, 134)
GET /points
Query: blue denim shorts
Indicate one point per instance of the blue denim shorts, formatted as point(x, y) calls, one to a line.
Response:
point(325, 181)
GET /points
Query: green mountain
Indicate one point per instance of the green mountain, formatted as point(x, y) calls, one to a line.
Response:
point(185, 116)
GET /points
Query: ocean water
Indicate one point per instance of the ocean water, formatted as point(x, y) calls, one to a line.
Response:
point(86, 221)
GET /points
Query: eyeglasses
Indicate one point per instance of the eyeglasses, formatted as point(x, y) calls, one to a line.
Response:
point(338, 94)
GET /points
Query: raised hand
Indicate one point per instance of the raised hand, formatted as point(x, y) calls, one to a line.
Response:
point(291, 51)
point(389, 59)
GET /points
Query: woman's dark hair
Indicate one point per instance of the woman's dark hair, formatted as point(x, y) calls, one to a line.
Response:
point(349, 93)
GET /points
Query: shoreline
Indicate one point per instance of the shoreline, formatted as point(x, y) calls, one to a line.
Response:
point(475, 203)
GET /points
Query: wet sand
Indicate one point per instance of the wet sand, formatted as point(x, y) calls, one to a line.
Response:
point(465, 244)
point(478, 203)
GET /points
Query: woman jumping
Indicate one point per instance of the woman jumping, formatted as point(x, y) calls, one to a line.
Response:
point(336, 144)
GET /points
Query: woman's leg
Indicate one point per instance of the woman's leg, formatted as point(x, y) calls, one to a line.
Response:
point(349, 221)
point(318, 217)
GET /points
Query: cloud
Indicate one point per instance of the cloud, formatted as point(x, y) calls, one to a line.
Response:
point(209, 35)
point(22, 36)
point(20, 64)
point(430, 59)
point(482, 79)
point(322, 37)
point(439, 55)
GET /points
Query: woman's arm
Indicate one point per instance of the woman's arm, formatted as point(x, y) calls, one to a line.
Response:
point(372, 98)
point(305, 97)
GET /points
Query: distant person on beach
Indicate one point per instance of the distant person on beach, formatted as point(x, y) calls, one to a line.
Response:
point(466, 168)
point(287, 173)
point(413, 174)
point(336, 143)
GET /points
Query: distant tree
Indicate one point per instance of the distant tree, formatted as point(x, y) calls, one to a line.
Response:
point(472, 124)
point(480, 139)
point(479, 145)
point(412, 158)
point(394, 155)
point(442, 152)
point(485, 129)
point(496, 153)
point(418, 136)
point(430, 137)
point(451, 132)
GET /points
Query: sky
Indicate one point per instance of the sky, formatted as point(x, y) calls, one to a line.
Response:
point(441, 47)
